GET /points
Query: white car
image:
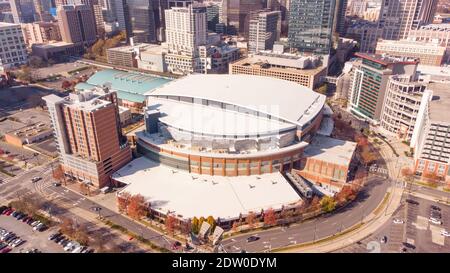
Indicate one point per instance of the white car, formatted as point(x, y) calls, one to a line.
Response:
point(398, 221)
point(35, 179)
point(77, 249)
point(435, 221)
point(445, 233)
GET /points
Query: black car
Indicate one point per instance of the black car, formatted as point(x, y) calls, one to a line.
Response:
point(408, 245)
point(59, 238)
point(22, 215)
point(413, 202)
point(433, 207)
point(54, 236)
point(3, 208)
point(252, 239)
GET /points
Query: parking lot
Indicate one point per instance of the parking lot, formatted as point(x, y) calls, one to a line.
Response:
point(420, 235)
point(33, 239)
point(423, 233)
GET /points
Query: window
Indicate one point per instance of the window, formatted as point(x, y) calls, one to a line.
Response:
point(431, 166)
point(441, 169)
point(421, 165)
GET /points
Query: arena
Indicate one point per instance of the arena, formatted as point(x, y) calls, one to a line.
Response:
point(230, 124)
point(226, 141)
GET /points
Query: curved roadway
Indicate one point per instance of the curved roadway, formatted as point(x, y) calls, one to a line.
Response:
point(367, 201)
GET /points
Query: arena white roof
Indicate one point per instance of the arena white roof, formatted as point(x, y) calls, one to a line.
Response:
point(194, 117)
point(192, 195)
point(283, 99)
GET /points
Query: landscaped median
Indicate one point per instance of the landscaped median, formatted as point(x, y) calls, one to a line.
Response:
point(137, 237)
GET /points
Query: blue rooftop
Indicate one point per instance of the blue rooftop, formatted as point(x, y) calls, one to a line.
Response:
point(130, 86)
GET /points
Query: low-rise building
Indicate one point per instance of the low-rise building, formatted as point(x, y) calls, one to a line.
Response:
point(433, 33)
point(428, 53)
point(306, 71)
point(56, 50)
point(29, 134)
point(124, 115)
point(327, 162)
point(126, 55)
point(152, 58)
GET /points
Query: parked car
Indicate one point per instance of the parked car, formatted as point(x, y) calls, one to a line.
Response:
point(445, 233)
point(2, 245)
point(384, 239)
point(35, 223)
point(53, 236)
point(413, 202)
point(15, 213)
point(9, 212)
point(435, 221)
point(398, 221)
point(56, 184)
point(6, 250)
point(18, 243)
point(433, 207)
point(21, 216)
point(59, 239)
point(2, 209)
point(38, 226)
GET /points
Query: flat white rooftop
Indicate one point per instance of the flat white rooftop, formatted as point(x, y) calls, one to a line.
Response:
point(191, 195)
point(330, 150)
point(282, 99)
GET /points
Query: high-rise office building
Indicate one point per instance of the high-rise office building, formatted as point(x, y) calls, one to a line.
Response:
point(77, 24)
point(339, 22)
point(398, 17)
point(264, 30)
point(283, 7)
point(88, 135)
point(147, 24)
point(238, 15)
point(23, 11)
point(42, 8)
point(214, 13)
point(186, 33)
point(13, 51)
point(311, 25)
point(369, 82)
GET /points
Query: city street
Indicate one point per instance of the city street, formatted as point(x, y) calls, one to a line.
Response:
point(310, 231)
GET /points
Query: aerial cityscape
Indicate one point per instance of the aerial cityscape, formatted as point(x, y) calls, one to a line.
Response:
point(224, 126)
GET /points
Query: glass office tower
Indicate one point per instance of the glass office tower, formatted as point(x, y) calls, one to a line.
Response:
point(311, 25)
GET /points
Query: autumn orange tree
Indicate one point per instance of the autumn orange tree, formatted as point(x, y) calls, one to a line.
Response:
point(347, 193)
point(407, 173)
point(195, 225)
point(251, 219)
point(235, 226)
point(137, 208)
point(270, 218)
point(171, 224)
point(67, 227)
point(122, 201)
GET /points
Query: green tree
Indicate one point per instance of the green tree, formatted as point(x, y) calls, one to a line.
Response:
point(25, 74)
point(328, 204)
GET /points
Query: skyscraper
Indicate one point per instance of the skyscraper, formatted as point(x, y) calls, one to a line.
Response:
point(398, 17)
point(186, 32)
point(88, 135)
point(311, 25)
point(77, 24)
point(23, 11)
point(42, 8)
point(341, 8)
point(238, 15)
point(142, 20)
point(264, 30)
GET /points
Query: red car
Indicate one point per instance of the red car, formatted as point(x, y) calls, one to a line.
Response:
point(6, 250)
point(25, 219)
point(9, 212)
point(6, 211)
